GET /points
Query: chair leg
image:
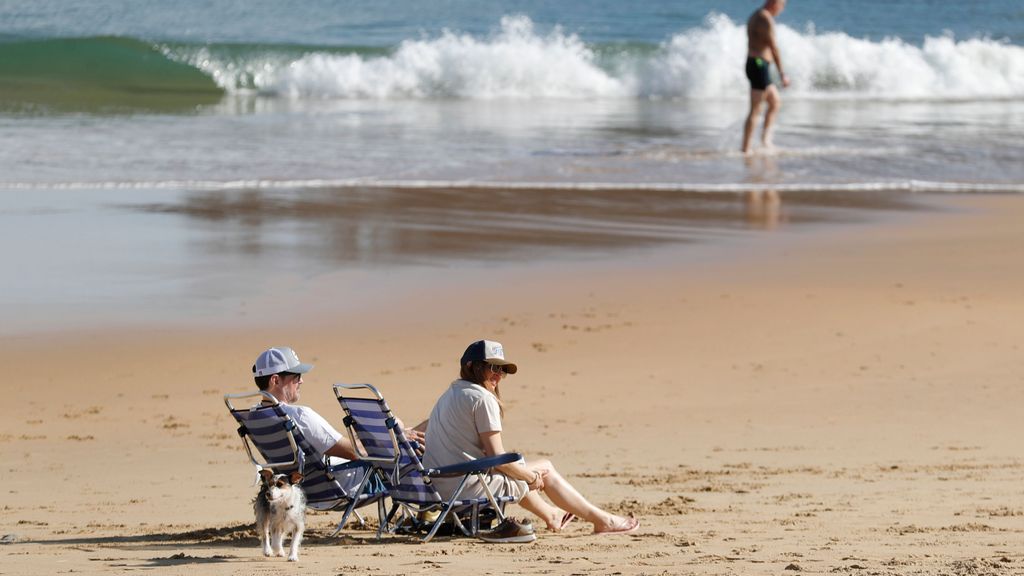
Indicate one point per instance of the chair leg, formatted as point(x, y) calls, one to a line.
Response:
point(462, 527)
point(385, 521)
point(352, 504)
point(450, 505)
point(344, 518)
point(437, 523)
point(498, 510)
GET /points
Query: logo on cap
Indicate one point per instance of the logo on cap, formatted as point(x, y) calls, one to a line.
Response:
point(277, 360)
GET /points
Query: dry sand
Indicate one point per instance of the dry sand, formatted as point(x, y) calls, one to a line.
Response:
point(845, 402)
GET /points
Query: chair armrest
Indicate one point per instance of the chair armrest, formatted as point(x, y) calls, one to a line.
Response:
point(351, 464)
point(474, 466)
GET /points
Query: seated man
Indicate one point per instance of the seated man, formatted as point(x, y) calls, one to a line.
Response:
point(279, 372)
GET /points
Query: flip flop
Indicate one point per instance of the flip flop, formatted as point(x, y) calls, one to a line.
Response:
point(569, 517)
point(631, 525)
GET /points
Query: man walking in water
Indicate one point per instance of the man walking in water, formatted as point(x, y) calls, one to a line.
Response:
point(762, 53)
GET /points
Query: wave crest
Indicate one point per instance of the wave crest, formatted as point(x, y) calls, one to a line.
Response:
point(941, 68)
point(703, 63)
point(517, 62)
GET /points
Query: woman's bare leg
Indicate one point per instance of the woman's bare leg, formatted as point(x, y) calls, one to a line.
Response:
point(540, 508)
point(566, 497)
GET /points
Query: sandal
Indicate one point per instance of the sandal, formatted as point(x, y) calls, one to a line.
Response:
point(569, 517)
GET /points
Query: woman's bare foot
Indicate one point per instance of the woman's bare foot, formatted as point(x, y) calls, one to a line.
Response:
point(553, 521)
point(618, 525)
point(559, 520)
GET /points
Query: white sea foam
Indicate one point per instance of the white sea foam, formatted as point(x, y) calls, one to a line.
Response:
point(514, 63)
point(941, 68)
point(517, 62)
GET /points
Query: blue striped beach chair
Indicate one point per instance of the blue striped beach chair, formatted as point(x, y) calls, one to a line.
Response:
point(369, 419)
point(282, 448)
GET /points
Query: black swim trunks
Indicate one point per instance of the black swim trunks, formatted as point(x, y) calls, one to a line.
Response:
point(759, 72)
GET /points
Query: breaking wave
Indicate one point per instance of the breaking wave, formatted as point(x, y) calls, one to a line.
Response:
point(517, 62)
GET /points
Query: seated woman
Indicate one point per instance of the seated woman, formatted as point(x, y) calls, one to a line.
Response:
point(465, 424)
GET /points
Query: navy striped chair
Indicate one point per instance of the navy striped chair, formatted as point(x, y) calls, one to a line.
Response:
point(282, 448)
point(419, 506)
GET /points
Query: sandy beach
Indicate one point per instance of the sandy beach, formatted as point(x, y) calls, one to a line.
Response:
point(824, 401)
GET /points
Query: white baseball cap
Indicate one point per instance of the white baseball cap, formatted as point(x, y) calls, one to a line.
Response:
point(277, 360)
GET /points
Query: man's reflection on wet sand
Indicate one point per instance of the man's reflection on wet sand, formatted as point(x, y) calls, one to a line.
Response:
point(338, 226)
point(762, 168)
point(763, 207)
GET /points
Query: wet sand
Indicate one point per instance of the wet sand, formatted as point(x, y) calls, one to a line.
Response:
point(828, 401)
point(137, 257)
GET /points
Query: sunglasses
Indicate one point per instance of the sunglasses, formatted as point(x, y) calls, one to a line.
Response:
point(496, 369)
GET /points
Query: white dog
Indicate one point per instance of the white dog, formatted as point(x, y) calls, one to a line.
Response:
point(280, 508)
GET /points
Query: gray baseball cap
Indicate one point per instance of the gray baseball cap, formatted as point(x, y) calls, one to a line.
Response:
point(277, 360)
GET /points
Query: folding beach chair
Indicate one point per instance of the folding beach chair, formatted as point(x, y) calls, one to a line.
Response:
point(283, 449)
point(369, 419)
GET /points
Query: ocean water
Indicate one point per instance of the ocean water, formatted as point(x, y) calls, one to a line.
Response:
point(155, 155)
point(910, 94)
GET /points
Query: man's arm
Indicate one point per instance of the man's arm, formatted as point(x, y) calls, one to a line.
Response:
point(775, 51)
point(343, 449)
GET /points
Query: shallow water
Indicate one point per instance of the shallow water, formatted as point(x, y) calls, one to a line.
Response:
point(269, 142)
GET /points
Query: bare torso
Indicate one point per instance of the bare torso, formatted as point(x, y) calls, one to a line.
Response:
point(760, 35)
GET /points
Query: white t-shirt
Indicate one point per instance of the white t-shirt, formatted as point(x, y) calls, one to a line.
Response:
point(317, 431)
point(460, 415)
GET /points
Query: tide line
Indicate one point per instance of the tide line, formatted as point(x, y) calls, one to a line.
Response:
point(921, 186)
